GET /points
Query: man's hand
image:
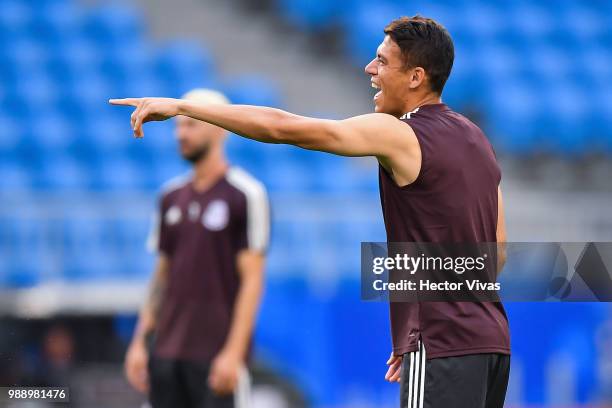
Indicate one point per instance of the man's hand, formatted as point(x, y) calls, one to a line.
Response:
point(395, 368)
point(148, 109)
point(224, 372)
point(136, 366)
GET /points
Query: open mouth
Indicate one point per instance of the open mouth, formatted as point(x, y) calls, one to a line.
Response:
point(376, 86)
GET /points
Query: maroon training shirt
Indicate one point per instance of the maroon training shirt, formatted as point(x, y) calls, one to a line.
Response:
point(201, 233)
point(453, 200)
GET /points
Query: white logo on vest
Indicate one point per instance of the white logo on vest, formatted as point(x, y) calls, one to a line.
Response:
point(216, 215)
point(173, 215)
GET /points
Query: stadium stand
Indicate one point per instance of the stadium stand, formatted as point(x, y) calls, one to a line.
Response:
point(539, 83)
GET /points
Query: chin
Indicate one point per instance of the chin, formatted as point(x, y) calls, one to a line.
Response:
point(187, 155)
point(380, 109)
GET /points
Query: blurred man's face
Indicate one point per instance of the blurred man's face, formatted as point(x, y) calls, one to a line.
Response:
point(196, 138)
point(390, 77)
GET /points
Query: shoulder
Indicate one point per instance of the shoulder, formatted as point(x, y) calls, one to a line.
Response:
point(395, 134)
point(385, 121)
point(246, 184)
point(474, 129)
point(253, 198)
point(175, 184)
point(467, 121)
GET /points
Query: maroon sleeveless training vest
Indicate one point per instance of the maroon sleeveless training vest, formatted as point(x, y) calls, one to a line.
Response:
point(453, 199)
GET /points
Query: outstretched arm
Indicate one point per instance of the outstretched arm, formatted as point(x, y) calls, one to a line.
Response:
point(375, 134)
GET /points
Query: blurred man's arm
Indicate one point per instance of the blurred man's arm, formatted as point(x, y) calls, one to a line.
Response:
point(501, 232)
point(136, 360)
point(375, 134)
point(227, 364)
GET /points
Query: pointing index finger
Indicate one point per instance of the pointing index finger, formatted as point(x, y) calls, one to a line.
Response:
point(124, 101)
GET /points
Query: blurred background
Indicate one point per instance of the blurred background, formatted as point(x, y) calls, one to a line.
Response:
point(77, 191)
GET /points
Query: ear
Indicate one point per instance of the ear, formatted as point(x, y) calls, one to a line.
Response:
point(417, 77)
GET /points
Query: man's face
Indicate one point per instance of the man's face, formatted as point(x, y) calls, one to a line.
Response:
point(389, 76)
point(196, 137)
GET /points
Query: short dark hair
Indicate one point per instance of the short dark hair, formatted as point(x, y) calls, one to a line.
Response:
point(424, 43)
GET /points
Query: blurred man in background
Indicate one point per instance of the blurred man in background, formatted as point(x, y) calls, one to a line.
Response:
point(193, 336)
point(439, 182)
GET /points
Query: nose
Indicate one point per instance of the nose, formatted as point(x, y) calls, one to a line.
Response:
point(370, 69)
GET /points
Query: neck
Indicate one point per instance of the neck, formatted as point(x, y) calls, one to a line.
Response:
point(426, 99)
point(209, 169)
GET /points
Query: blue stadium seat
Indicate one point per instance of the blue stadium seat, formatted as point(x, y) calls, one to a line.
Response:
point(15, 17)
point(512, 109)
point(90, 264)
point(364, 28)
point(33, 90)
point(463, 86)
point(493, 61)
point(303, 156)
point(310, 15)
point(75, 57)
point(86, 254)
point(254, 90)
point(163, 170)
point(483, 21)
point(599, 66)
point(532, 21)
point(600, 119)
point(26, 53)
point(81, 231)
point(19, 273)
point(87, 94)
point(236, 147)
point(127, 243)
point(10, 136)
point(247, 150)
point(145, 85)
point(584, 22)
point(128, 62)
point(284, 175)
point(566, 116)
point(106, 134)
point(137, 265)
point(61, 172)
point(605, 37)
point(51, 130)
point(26, 258)
point(111, 24)
point(184, 65)
point(15, 176)
point(333, 175)
point(119, 173)
point(159, 141)
point(363, 174)
point(56, 20)
point(275, 165)
point(549, 63)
